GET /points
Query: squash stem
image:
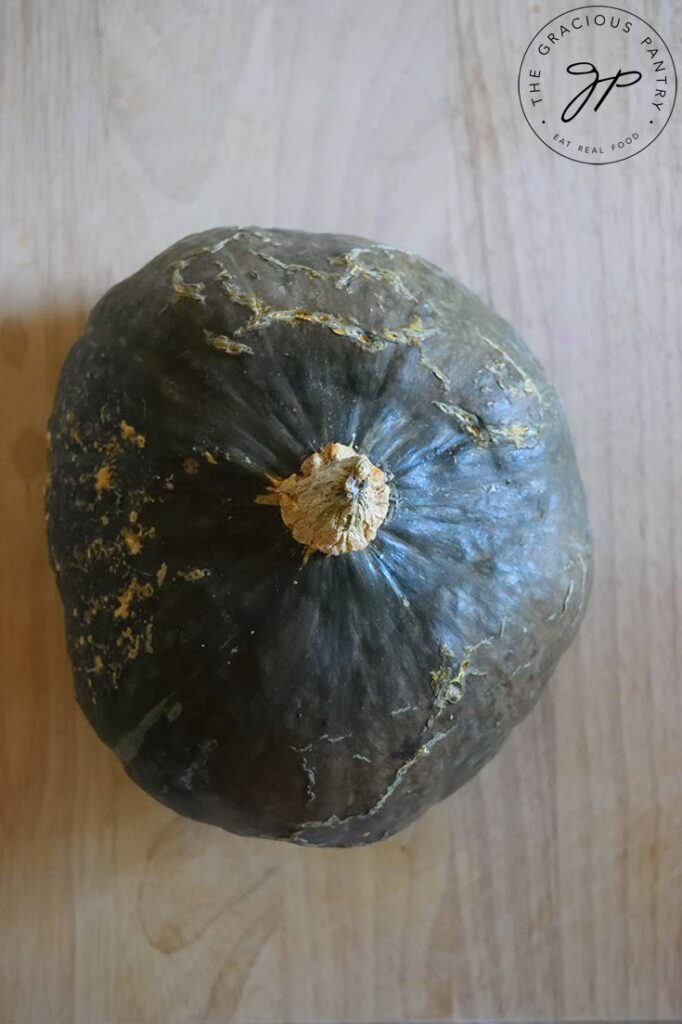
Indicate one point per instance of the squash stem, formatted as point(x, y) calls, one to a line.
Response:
point(336, 502)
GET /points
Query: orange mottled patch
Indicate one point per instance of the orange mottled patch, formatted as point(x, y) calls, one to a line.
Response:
point(104, 479)
point(133, 591)
point(128, 433)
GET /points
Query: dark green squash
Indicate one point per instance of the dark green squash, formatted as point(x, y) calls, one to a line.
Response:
point(318, 653)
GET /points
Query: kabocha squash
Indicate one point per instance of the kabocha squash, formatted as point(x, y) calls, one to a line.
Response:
point(318, 529)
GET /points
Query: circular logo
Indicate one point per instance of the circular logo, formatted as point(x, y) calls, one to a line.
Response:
point(597, 84)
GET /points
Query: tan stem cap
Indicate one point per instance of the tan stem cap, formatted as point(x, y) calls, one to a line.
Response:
point(335, 503)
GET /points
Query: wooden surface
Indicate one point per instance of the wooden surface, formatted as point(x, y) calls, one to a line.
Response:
point(551, 886)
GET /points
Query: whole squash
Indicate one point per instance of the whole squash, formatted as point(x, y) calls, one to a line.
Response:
point(318, 528)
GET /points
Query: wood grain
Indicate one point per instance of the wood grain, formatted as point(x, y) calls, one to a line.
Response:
point(551, 886)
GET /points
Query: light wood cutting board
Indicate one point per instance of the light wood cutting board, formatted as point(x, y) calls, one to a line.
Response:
point(551, 886)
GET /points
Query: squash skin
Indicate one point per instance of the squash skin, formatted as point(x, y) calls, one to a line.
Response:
point(328, 703)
